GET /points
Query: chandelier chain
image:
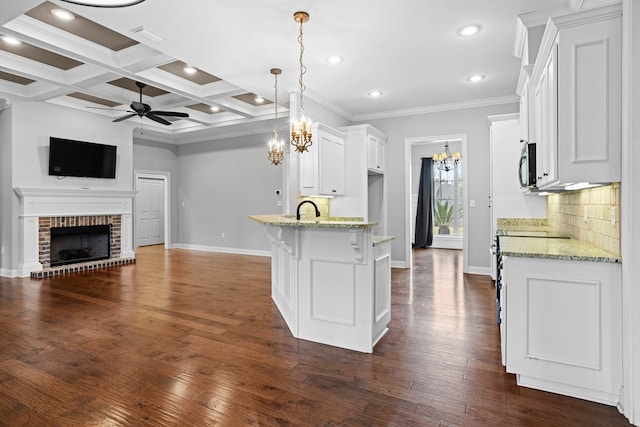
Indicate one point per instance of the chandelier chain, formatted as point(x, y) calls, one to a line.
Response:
point(303, 69)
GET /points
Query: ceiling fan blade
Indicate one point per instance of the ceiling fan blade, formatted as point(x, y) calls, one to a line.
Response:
point(170, 113)
point(157, 119)
point(128, 116)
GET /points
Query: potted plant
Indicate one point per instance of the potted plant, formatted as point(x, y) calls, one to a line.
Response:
point(442, 216)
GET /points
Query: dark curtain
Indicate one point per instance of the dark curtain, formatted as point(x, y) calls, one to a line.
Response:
point(424, 214)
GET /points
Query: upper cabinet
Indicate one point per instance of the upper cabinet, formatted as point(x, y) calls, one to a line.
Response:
point(376, 145)
point(575, 85)
point(322, 168)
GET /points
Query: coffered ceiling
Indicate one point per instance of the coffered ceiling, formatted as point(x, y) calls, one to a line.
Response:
point(409, 51)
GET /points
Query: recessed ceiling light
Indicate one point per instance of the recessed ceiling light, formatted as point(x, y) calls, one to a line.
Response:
point(10, 40)
point(105, 3)
point(259, 99)
point(214, 108)
point(65, 15)
point(469, 30)
point(375, 93)
point(475, 78)
point(189, 69)
point(335, 59)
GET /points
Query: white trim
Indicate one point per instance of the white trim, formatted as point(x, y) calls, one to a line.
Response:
point(398, 264)
point(447, 242)
point(485, 271)
point(487, 102)
point(629, 206)
point(166, 177)
point(5, 272)
point(423, 140)
point(236, 251)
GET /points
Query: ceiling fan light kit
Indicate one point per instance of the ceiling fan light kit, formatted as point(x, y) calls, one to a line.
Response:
point(105, 3)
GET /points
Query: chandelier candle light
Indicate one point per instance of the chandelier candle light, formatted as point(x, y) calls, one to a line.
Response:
point(446, 161)
point(276, 146)
point(301, 129)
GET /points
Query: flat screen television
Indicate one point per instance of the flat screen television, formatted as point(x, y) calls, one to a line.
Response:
point(79, 158)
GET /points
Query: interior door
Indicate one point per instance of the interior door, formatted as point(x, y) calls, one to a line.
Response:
point(150, 211)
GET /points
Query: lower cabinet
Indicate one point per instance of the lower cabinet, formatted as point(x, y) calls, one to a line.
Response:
point(331, 285)
point(563, 326)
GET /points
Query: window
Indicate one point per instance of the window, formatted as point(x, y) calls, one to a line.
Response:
point(448, 207)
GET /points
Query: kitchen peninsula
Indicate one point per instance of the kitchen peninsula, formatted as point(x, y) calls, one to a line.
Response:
point(330, 279)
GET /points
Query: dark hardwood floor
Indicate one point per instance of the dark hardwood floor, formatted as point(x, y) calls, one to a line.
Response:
point(192, 338)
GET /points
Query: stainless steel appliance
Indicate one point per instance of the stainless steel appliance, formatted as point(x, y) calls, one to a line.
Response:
point(527, 166)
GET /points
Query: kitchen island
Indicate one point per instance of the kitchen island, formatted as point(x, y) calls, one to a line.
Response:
point(330, 279)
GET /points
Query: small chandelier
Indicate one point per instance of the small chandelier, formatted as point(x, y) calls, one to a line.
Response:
point(446, 161)
point(301, 129)
point(276, 145)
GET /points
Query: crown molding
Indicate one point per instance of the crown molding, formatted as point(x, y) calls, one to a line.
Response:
point(486, 102)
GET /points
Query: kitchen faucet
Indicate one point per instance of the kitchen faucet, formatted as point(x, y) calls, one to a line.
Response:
point(302, 203)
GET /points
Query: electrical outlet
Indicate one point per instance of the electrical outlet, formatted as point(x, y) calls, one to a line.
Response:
point(472, 203)
point(279, 203)
point(586, 214)
point(612, 215)
point(222, 235)
point(3, 250)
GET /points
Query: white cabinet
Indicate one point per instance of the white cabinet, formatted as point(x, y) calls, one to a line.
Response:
point(562, 326)
point(381, 289)
point(366, 188)
point(322, 168)
point(376, 154)
point(546, 119)
point(577, 98)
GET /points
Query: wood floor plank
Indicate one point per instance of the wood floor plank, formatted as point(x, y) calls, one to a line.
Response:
point(188, 338)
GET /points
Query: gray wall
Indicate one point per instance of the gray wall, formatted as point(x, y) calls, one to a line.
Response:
point(222, 182)
point(474, 123)
point(152, 156)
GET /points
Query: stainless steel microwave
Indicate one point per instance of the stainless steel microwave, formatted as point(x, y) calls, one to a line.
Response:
point(527, 169)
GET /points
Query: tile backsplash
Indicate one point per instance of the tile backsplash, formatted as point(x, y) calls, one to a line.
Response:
point(587, 215)
point(307, 212)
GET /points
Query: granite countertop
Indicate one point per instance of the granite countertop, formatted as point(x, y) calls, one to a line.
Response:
point(322, 222)
point(378, 240)
point(552, 248)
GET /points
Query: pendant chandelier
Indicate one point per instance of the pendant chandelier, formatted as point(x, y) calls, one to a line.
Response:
point(301, 128)
point(276, 145)
point(446, 161)
point(105, 3)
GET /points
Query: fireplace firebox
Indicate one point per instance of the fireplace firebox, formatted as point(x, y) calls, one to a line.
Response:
point(70, 245)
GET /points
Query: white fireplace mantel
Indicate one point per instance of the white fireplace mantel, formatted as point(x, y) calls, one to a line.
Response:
point(69, 201)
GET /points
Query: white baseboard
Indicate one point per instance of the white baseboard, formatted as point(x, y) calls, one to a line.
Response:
point(5, 272)
point(480, 270)
point(235, 251)
point(399, 264)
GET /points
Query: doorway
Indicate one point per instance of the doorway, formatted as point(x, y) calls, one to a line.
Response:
point(432, 144)
point(152, 225)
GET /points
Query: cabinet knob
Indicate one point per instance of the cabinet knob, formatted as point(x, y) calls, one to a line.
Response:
point(545, 174)
point(334, 191)
point(539, 178)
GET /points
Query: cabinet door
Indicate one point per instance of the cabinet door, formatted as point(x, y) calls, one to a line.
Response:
point(546, 117)
point(376, 155)
point(524, 113)
point(332, 165)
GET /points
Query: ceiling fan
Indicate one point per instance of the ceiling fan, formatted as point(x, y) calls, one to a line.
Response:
point(144, 110)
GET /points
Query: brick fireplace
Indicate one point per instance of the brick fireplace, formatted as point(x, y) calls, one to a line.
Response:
point(44, 209)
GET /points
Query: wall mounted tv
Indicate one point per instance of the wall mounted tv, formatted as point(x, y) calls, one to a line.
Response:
point(78, 158)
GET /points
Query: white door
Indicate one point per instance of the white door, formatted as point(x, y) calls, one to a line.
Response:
point(150, 200)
